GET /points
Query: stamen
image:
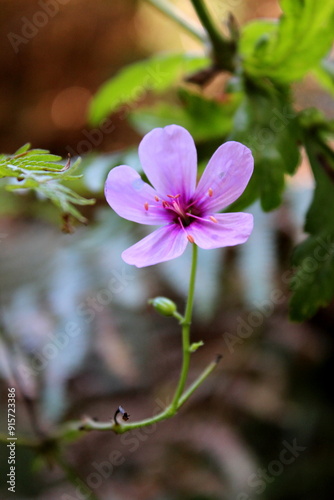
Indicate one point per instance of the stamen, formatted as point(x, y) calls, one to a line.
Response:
point(146, 205)
point(157, 198)
point(212, 219)
point(174, 197)
point(189, 237)
point(165, 204)
point(210, 192)
point(177, 208)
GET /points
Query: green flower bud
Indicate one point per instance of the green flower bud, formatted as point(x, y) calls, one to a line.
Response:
point(164, 306)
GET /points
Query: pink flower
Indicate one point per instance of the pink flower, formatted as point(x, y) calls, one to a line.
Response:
point(188, 213)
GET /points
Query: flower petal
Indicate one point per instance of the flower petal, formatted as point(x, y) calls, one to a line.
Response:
point(225, 177)
point(128, 195)
point(229, 230)
point(169, 159)
point(165, 243)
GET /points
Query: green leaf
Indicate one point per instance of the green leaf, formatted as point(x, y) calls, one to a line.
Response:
point(156, 74)
point(324, 73)
point(38, 170)
point(313, 281)
point(196, 345)
point(22, 149)
point(266, 123)
point(286, 50)
point(204, 118)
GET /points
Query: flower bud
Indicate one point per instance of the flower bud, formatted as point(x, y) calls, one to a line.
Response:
point(164, 306)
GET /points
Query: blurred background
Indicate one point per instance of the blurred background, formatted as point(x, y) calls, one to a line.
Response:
point(273, 388)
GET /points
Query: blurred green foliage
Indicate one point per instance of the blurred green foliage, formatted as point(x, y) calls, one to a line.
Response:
point(256, 108)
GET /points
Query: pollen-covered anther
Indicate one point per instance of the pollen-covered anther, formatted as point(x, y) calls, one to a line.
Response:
point(146, 206)
point(210, 192)
point(174, 197)
point(157, 198)
point(190, 238)
point(213, 218)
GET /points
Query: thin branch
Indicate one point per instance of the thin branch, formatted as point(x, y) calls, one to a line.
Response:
point(178, 17)
point(208, 370)
point(223, 49)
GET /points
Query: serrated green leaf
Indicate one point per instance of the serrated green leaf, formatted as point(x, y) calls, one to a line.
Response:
point(313, 281)
point(38, 170)
point(156, 74)
point(287, 50)
point(33, 157)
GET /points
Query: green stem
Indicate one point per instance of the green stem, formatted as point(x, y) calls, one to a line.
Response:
point(180, 396)
point(186, 331)
point(178, 316)
point(92, 425)
point(223, 49)
point(174, 14)
point(208, 370)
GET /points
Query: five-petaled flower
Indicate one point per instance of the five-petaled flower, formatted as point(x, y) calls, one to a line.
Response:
point(188, 213)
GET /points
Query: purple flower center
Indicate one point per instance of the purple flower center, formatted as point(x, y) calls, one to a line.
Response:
point(183, 212)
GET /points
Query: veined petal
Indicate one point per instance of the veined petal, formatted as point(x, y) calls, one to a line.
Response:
point(225, 177)
point(132, 198)
point(229, 230)
point(165, 243)
point(169, 159)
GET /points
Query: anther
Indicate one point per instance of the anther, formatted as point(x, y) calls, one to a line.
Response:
point(213, 218)
point(190, 238)
point(174, 197)
point(146, 205)
point(210, 192)
point(165, 204)
point(157, 198)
